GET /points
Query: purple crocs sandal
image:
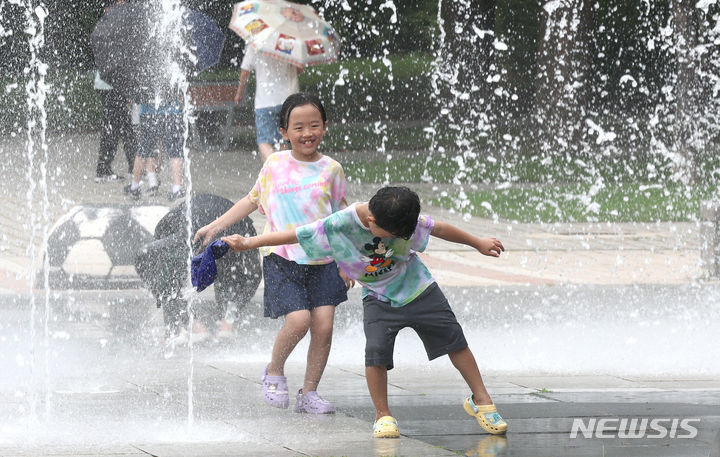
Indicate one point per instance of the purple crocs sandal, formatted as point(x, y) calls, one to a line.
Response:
point(275, 391)
point(312, 403)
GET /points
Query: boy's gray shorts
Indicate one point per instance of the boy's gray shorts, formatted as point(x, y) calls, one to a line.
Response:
point(429, 315)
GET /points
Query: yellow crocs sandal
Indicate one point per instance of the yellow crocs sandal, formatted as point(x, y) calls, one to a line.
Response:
point(386, 427)
point(487, 416)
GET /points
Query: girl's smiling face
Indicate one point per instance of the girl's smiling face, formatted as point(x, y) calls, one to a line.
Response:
point(305, 130)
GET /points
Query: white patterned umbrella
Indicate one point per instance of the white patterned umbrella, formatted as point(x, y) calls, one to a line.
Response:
point(293, 33)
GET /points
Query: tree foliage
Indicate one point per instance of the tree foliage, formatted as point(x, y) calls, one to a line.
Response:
point(564, 61)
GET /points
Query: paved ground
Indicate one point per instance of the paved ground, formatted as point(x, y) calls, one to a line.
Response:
point(601, 323)
point(105, 385)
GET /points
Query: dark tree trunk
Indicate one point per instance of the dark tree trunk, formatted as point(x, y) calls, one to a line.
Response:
point(687, 88)
point(561, 91)
point(467, 56)
point(469, 28)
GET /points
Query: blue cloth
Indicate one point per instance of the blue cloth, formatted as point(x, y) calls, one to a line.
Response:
point(203, 269)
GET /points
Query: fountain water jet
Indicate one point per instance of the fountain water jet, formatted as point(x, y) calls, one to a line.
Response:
point(36, 90)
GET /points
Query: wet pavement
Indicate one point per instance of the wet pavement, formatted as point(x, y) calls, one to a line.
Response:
point(597, 328)
point(104, 384)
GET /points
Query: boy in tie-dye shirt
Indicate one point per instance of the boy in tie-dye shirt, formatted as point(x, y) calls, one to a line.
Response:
point(376, 244)
point(387, 268)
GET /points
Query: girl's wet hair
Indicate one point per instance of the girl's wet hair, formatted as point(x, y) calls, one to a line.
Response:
point(300, 99)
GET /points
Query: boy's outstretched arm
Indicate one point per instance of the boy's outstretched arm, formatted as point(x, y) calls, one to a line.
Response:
point(448, 232)
point(239, 243)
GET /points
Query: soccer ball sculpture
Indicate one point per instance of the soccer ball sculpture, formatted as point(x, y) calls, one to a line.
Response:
point(93, 246)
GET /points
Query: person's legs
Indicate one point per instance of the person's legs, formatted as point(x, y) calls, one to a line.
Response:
point(151, 165)
point(295, 328)
point(321, 330)
point(144, 159)
point(176, 171)
point(173, 141)
point(175, 315)
point(267, 124)
point(129, 136)
point(441, 334)
point(236, 283)
point(152, 129)
point(109, 134)
point(381, 324)
point(377, 386)
point(326, 290)
point(199, 331)
point(152, 134)
point(133, 188)
point(138, 169)
point(385, 424)
point(465, 363)
point(479, 405)
point(225, 327)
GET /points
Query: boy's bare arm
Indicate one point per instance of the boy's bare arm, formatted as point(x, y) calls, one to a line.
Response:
point(448, 232)
point(240, 243)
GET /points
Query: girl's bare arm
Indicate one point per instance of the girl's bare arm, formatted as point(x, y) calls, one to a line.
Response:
point(239, 210)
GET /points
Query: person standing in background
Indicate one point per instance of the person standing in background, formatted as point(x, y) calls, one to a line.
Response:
point(116, 125)
point(275, 81)
point(161, 123)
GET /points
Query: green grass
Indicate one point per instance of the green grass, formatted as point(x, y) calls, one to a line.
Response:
point(387, 136)
point(524, 187)
point(516, 167)
point(375, 117)
point(561, 190)
point(624, 202)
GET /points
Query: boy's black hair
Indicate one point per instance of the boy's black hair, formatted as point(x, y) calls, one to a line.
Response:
point(299, 99)
point(396, 210)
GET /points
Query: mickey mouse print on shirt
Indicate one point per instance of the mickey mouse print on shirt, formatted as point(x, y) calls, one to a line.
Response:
point(379, 258)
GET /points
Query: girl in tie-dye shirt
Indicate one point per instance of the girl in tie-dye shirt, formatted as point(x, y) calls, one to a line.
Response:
point(294, 188)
